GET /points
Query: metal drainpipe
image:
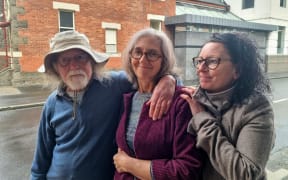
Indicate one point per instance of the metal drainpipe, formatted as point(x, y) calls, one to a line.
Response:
point(4, 25)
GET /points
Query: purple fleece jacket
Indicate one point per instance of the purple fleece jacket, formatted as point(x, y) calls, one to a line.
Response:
point(165, 142)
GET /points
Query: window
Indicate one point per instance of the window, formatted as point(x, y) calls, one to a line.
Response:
point(205, 28)
point(66, 20)
point(111, 41)
point(66, 14)
point(155, 21)
point(111, 30)
point(280, 41)
point(283, 3)
point(155, 24)
point(247, 4)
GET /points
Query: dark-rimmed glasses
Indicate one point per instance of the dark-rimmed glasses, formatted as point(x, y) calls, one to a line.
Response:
point(79, 58)
point(150, 55)
point(210, 62)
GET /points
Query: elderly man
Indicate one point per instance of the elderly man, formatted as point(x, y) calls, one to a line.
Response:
point(79, 119)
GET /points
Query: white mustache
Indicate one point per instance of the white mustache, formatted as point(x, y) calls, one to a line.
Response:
point(76, 72)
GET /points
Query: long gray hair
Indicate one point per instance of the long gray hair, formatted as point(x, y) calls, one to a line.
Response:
point(168, 65)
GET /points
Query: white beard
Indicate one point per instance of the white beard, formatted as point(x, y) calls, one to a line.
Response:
point(77, 80)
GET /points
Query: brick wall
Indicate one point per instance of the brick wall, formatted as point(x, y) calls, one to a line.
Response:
point(37, 22)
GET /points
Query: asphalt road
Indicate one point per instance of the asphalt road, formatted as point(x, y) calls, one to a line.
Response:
point(17, 141)
point(278, 162)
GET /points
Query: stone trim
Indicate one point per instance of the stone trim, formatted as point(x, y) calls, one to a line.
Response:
point(155, 17)
point(66, 6)
point(16, 54)
point(106, 25)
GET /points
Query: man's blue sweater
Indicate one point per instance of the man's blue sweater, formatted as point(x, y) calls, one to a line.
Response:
point(80, 147)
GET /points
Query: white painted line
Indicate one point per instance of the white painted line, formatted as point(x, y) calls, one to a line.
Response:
point(21, 106)
point(280, 100)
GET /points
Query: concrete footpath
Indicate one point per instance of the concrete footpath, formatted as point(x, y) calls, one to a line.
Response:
point(15, 98)
point(278, 75)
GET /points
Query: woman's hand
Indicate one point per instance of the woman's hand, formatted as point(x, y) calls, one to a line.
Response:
point(195, 107)
point(121, 160)
point(137, 167)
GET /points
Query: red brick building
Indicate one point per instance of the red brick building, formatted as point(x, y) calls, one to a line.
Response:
point(26, 27)
point(107, 23)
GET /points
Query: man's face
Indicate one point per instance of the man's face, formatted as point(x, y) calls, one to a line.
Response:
point(75, 68)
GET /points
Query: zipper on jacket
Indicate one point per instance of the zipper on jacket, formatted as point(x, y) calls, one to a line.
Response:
point(74, 99)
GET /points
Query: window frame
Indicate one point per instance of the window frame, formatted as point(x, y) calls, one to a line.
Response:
point(246, 4)
point(156, 24)
point(66, 28)
point(66, 7)
point(110, 42)
point(283, 3)
point(110, 26)
point(155, 21)
point(281, 39)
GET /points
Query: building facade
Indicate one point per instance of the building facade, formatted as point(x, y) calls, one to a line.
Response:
point(196, 20)
point(108, 24)
point(272, 12)
point(27, 26)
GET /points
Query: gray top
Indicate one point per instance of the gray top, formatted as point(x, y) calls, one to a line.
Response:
point(138, 100)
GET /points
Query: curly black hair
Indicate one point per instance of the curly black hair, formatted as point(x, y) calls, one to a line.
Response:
point(247, 59)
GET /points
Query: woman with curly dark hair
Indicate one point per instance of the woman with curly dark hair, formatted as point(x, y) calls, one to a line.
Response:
point(232, 114)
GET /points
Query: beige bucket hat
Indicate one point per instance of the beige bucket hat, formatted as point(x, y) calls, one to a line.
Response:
point(66, 40)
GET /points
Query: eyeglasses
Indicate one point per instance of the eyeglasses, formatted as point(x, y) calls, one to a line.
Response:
point(150, 55)
point(211, 62)
point(79, 58)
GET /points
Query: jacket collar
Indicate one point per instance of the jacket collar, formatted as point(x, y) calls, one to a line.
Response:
point(219, 102)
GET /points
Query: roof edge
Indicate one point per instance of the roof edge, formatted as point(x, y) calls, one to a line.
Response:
point(196, 19)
